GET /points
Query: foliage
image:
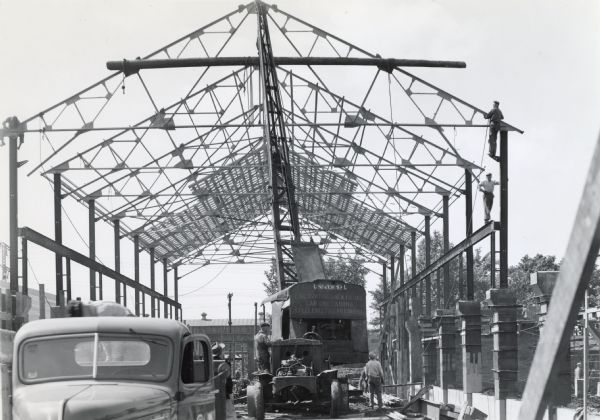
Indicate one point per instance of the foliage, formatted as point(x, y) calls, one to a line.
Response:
point(351, 270)
point(518, 276)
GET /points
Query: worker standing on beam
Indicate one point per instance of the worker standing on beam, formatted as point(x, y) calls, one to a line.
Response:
point(495, 116)
point(487, 188)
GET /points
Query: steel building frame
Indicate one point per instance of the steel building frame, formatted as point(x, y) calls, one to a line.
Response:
point(186, 176)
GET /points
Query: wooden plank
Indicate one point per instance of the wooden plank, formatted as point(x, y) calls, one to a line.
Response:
point(575, 274)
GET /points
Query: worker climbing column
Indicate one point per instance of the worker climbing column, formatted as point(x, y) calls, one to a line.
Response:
point(543, 283)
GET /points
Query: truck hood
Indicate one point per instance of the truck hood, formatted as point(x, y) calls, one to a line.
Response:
point(91, 401)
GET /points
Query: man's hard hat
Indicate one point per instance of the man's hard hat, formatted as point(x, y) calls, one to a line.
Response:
point(265, 324)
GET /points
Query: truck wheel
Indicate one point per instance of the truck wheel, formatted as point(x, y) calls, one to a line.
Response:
point(259, 402)
point(336, 399)
point(250, 396)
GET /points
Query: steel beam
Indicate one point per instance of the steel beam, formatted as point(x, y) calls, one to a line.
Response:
point(45, 242)
point(478, 235)
point(58, 264)
point(469, 231)
point(575, 273)
point(388, 64)
point(503, 209)
point(92, 244)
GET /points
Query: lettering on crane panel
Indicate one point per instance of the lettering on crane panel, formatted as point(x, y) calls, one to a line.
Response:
point(327, 299)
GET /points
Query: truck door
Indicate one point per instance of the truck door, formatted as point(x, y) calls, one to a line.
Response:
point(196, 396)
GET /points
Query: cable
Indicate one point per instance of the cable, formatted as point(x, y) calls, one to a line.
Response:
point(205, 284)
point(37, 281)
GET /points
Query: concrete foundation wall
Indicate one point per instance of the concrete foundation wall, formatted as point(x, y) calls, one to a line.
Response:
point(487, 404)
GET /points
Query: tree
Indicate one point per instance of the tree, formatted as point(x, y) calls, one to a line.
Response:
point(520, 274)
point(351, 270)
point(376, 301)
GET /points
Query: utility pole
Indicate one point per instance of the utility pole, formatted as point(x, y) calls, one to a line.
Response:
point(255, 317)
point(231, 350)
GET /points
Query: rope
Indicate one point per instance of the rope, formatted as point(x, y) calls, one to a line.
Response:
point(477, 190)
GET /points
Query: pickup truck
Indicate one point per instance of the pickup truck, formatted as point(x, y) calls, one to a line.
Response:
point(113, 367)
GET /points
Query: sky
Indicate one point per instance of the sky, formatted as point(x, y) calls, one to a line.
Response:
point(540, 59)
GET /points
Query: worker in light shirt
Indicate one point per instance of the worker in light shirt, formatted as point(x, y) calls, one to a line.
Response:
point(487, 188)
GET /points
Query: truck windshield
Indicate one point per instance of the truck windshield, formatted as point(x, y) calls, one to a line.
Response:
point(95, 356)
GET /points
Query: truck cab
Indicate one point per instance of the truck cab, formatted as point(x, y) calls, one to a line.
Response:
point(112, 367)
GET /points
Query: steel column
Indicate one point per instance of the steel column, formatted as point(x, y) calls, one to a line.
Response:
point(58, 261)
point(92, 244)
point(446, 234)
point(68, 264)
point(392, 274)
point(117, 248)
point(460, 278)
point(401, 266)
point(100, 295)
point(136, 271)
point(13, 223)
point(176, 290)
point(493, 260)
point(24, 271)
point(503, 209)
point(384, 280)
point(413, 263)
point(165, 286)
point(255, 317)
point(427, 263)
point(469, 232)
point(152, 284)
